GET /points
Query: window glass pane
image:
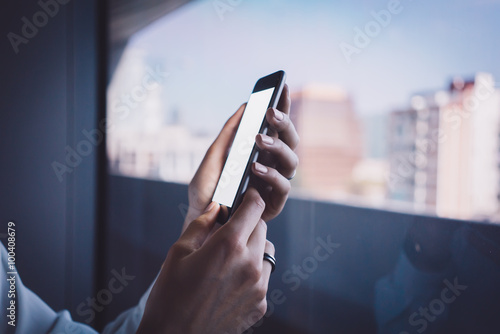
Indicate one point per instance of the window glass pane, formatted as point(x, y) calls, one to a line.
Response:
point(397, 103)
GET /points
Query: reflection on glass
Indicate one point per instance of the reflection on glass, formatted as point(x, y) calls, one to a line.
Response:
point(446, 275)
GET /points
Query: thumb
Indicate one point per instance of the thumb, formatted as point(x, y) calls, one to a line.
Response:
point(197, 232)
point(227, 133)
point(206, 177)
point(218, 150)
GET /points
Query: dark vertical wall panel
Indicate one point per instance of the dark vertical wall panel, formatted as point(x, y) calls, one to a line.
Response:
point(86, 136)
point(33, 134)
point(48, 92)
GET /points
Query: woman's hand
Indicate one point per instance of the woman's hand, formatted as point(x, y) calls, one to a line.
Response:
point(213, 283)
point(277, 162)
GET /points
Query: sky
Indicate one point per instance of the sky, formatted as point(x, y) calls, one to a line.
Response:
point(214, 58)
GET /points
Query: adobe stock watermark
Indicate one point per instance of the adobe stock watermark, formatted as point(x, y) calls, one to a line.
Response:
point(293, 279)
point(436, 307)
point(408, 164)
point(370, 30)
point(105, 296)
point(123, 106)
point(30, 27)
point(127, 102)
point(221, 7)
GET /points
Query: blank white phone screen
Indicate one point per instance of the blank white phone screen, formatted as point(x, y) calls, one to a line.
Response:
point(241, 149)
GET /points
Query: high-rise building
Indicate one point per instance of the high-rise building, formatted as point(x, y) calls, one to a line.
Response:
point(413, 150)
point(468, 170)
point(330, 140)
point(444, 150)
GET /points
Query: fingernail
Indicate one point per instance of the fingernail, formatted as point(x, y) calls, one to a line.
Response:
point(210, 207)
point(260, 168)
point(267, 140)
point(278, 115)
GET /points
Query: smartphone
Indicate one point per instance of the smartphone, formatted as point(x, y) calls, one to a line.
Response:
point(235, 175)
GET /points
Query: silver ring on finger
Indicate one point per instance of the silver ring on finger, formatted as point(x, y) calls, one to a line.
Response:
point(269, 258)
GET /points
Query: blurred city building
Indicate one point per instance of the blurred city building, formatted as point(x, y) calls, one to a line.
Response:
point(171, 154)
point(330, 140)
point(444, 150)
point(413, 149)
point(369, 175)
point(147, 139)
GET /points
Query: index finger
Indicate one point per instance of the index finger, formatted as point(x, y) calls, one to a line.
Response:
point(247, 215)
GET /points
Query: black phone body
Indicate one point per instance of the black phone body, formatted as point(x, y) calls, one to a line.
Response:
point(235, 175)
